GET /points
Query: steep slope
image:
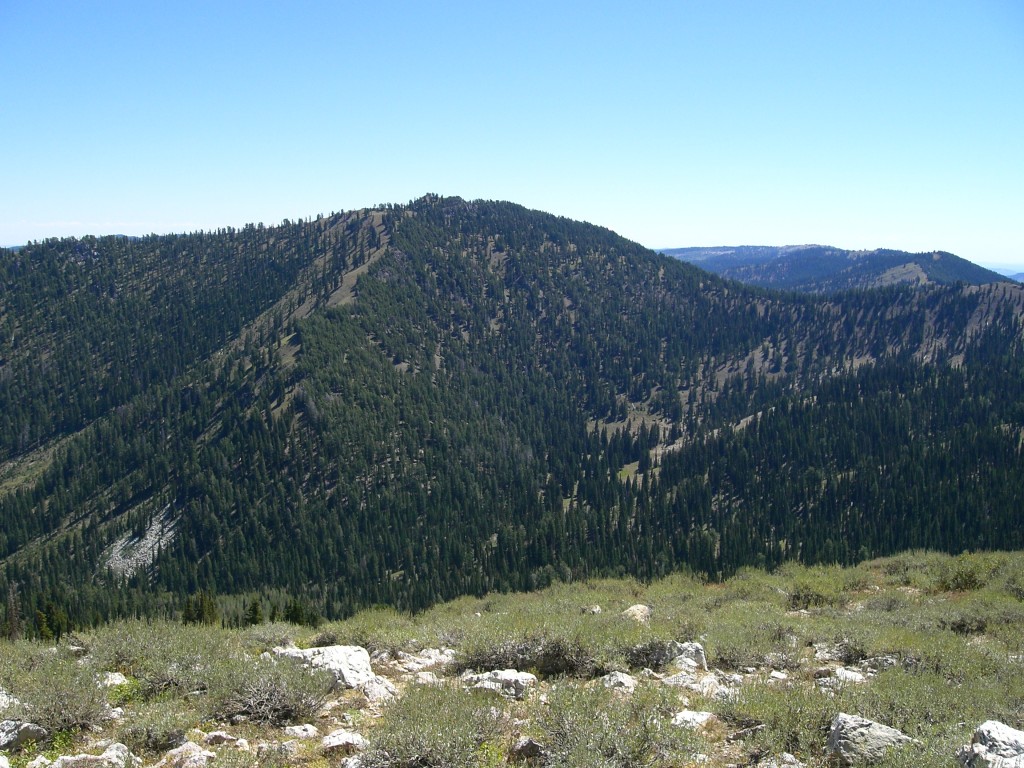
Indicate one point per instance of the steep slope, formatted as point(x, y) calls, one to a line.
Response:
point(825, 269)
point(453, 397)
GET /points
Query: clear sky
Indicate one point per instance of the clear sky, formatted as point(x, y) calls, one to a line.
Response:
point(893, 124)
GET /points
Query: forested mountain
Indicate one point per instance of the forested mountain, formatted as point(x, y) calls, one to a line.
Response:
point(414, 402)
point(824, 269)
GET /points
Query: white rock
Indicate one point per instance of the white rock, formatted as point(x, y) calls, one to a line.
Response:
point(619, 681)
point(777, 675)
point(994, 745)
point(6, 700)
point(856, 739)
point(305, 731)
point(638, 613)
point(378, 689)
point(845, 675)
point(114, 756)
point(4, 763)
point(681, 678)
point(343, 741)
point(691, 654)
point(110, 679)
point(689, 718)
point(350, 664)
point(785, 760)
point(40, 761)
point(188, 755)
point(512, 682)
point(242, 745)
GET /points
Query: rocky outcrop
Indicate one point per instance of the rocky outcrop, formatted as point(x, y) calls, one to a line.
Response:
point(619, 681)
point(508, 682)
point(343, 742)
point(188, 755)
point(114, 756)
point(994, 745)
point(854, 740)
point(350, 664)
point(689, 718)
point(15, 734)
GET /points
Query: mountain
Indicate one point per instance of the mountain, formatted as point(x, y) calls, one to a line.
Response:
point(415, 402)
point(820, 268)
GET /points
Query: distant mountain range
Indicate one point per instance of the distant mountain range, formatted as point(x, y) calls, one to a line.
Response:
point(824, 269)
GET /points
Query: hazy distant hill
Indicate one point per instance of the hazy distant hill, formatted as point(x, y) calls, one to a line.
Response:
point(821, 268)
point(418, 401)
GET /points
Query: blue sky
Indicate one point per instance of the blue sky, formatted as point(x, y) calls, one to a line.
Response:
point(859, 124)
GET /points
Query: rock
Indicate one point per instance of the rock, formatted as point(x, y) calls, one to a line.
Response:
point(4, 763)
point(40, 761)
point(188, 755)
point(778, 676)
point(350, 664)
point(426, 678)
point(689, 718)
point(15, 734)
point(619, 681)
point(110, 679)
point(591, 610)
point(219, 737)
point(638, 613)
point(425, 659)
point(845, 675)
point(379, 689)
point(681, 678)
point(691, 654)
point(6, 700)
point(785, 760)
point(242, 745)
point(994, 745)
point(115, 756)
point(878, 663)
point(856, 739)
point(527, 749)
point(343, 742)
point(510, 682)
point(306, 731)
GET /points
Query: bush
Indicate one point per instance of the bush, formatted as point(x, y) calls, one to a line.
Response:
point(55, 691)
point(432, 727)
point(265, 690)
point(584, 727)
point(157, 727)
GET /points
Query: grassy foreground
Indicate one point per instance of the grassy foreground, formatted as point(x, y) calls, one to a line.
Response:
point(937, 640)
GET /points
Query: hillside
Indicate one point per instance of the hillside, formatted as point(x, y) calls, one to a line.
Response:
point(824, 269)
point(763, 669)
point(412, 403)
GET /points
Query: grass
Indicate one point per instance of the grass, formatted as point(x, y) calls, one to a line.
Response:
point(947, 631)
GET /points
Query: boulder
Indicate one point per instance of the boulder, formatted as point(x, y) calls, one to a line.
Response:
point(115, 756)
point(527, 749)
point(619, 681)
point(690, 655)
point(846, 675)
point(508, 682)
point(343, 742)
point(4, 762)
point(188, 755)
point(638, 613)
point(305, 731)
point(854, 740)
point(785, 760)
point(15, 734)
point(219, 737)
point(378, 689)
point(689, 718)
point(350, 664)
point(110, 679)
point(994, 745)
point(680, 678)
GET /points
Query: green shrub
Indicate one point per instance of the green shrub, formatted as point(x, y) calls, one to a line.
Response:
point(796, 716)
point(157, 727)
point(591, 726)
point(54, 689)
point(431, 727)
point(265, 690)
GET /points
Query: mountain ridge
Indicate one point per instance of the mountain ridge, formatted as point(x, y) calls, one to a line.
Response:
point(447, 397)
